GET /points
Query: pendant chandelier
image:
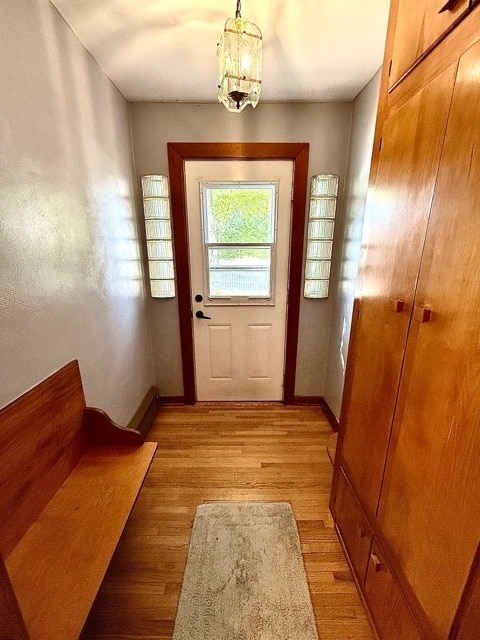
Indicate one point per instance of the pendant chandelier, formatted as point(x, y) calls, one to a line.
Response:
point(239, 56)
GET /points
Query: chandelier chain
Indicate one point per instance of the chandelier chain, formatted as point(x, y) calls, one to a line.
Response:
point(238, 13)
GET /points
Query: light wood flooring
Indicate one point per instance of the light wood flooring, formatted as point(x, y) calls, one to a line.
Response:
point(215, 452)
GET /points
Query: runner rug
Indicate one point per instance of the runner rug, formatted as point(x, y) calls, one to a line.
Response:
point(245, 578)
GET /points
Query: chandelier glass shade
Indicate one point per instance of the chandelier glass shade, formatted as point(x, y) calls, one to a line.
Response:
point(239, 56)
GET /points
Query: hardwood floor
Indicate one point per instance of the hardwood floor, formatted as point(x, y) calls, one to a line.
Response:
point(215, 452)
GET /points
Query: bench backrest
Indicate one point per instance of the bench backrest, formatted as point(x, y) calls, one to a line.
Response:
point(41, 440)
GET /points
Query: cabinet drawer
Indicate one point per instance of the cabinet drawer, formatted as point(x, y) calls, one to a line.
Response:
point(419, 24)
point(386, 603)
point(354, 528)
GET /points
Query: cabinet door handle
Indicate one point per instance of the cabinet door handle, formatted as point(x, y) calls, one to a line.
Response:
point(421, 314)
point(397, 306)
point(449, 6)
point(375, 560)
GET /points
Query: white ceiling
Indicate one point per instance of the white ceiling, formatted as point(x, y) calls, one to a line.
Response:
point(164, 50)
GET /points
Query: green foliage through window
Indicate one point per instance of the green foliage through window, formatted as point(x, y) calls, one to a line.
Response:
point(240, 216)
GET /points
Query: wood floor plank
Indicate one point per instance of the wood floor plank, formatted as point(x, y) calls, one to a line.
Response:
point(214, 452)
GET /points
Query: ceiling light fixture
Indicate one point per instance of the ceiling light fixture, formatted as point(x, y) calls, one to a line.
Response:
point(239, 56)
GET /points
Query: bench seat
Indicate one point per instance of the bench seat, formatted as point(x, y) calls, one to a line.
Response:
point(69, 478)
point(57, 567)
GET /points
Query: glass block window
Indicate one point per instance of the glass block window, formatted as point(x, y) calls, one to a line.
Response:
point(321, 226)
point(158, 230)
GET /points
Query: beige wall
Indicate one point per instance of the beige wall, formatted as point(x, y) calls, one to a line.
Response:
point(70, 275)
point(349, 237)
point(325, 126)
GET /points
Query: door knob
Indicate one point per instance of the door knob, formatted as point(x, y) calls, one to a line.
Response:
point(200, 314)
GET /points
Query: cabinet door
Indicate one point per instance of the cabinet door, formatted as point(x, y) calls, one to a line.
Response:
point(386, 603)
point(412, 141)
point(353, 527)
point(467, 621)
point(419, 24)
point(430, 505)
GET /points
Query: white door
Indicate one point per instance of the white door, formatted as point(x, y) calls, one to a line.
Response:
point(239, 215)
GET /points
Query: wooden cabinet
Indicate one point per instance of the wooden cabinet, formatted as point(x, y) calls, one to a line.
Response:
point(407, 468)
point(420, 23)
point(433, 476)
point(411, 146)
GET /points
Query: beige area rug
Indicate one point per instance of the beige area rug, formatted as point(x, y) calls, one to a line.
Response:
point(245, 578)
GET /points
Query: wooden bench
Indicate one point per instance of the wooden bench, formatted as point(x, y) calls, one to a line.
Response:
point(69, 478)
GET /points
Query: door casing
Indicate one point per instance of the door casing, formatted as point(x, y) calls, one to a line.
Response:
point(178, 153)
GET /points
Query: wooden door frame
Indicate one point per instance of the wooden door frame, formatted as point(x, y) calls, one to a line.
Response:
point(178, 154)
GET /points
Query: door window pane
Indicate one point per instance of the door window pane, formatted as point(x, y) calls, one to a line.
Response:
point(239, 272)
point(243, 213)
point(239, 228)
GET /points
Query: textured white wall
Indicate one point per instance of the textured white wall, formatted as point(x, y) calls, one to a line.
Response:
point(70, 268)
point(349, 238)
point(325, 126)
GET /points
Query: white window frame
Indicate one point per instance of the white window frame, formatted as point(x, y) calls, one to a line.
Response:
point(238, 300)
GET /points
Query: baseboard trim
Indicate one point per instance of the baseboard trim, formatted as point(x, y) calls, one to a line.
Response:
point(175, 400)
point(144, 416)
point(318, 401)
point(331, 417)
point(307, 400)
